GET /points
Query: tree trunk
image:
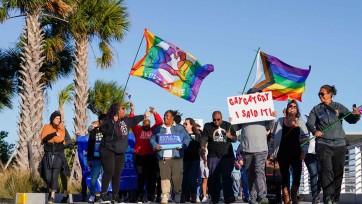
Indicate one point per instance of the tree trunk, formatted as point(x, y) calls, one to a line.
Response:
point(81, 85)
point(31, 93)
point(61, 111)
point(76, 172)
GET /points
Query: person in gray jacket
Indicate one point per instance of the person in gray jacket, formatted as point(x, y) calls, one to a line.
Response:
point(255, 152)
point(289, 132)
point(170, 160)
point(331, 143)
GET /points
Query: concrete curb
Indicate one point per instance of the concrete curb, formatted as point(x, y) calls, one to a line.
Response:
point(40, 198)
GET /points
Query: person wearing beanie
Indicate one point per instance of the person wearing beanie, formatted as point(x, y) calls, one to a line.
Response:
point(53, 138)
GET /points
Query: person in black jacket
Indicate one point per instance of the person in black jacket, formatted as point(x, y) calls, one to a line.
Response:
point(93, 158)
point(53, 138)
point(113, 147)
point(191, 162)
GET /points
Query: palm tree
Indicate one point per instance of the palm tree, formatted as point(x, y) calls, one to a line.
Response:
point(105, 20)
point(32, 57)
point(65, 96)
point(103, 95)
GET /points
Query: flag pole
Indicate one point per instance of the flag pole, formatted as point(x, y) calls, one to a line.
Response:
point(251, 70)
point(132, 66)
point(327, 128)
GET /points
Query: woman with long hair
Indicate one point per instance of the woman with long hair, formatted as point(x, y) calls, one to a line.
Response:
point(289, 132)
point(191, 165)
point(115, 129)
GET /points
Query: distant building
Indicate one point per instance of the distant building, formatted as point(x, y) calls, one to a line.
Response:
point(353, 138)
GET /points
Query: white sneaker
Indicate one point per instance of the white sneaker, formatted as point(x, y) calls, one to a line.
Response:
point(164, 198)
point(91, 199)
point(205, 199)
point(198, 200)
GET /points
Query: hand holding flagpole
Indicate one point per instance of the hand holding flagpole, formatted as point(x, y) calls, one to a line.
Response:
point(327, 128)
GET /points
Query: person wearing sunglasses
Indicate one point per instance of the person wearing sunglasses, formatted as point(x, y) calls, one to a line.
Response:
point(218, 135)
point(115, 129)
point(289, 132)
point(191, 165)
point(331, 140)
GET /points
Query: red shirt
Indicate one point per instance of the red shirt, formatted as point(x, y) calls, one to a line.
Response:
point(143, 146)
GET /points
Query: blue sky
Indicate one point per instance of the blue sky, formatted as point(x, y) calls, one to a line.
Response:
point(324, 34)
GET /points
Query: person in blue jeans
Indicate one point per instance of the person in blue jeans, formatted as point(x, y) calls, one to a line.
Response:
point(93, 158)
point(244, 184)
point(235, 174)
point(312, 164)
point(243, 178)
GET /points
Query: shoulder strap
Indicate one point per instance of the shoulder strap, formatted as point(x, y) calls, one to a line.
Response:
point(332, 110)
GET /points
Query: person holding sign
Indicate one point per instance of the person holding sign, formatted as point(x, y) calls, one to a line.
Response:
point(170, 140)
point(289, 132)
point(255, 152)
point(218, 135)
point(113, 147)
point(325, 122)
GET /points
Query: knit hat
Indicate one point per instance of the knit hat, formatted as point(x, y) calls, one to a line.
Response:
point(54, 115)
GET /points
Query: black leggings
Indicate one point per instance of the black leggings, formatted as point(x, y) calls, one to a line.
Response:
point(63, 179)
point(112, 164)
point(285, 163)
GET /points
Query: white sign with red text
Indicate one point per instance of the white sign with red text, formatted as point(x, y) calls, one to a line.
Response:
point(251, 107)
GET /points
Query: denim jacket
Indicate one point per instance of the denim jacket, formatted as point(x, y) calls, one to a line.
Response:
point(175, 129)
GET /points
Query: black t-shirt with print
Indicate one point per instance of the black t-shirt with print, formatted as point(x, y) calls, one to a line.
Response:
point(218, 144)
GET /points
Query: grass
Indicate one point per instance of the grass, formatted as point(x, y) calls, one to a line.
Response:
point(13, 181)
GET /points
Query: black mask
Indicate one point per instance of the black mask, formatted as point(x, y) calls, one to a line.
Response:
point(146, 128)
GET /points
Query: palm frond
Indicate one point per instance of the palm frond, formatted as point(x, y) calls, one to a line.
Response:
point(7, 77)
point(66, 95)
point(103, 94)
point(106, 59)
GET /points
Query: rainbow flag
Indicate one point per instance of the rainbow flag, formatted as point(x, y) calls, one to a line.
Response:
point(284, 81)
point(171, 68)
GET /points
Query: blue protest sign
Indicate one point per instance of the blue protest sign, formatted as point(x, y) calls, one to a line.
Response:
point(128, 176)
point(170, 141)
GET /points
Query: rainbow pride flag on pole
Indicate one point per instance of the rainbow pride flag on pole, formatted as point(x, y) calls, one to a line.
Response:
point(171, 68)
point(284, 81)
